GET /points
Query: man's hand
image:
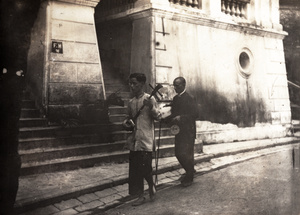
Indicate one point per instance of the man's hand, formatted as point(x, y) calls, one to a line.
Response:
point(148, 102)
point(128, 124)
point(176, 119)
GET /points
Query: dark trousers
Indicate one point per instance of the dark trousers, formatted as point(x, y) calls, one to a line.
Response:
point(140, 168)
point(184, 152)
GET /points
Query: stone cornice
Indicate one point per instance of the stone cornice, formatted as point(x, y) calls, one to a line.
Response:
point(198, 18)
point(242, 27)
point(89, 3)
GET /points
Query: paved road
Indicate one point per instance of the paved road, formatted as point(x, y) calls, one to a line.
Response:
point(268, 185)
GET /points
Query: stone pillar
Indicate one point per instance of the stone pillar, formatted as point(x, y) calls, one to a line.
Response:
point(250, 12)
point(265, 12)
point(256, 11)
point(142, 47)
point(70, 73)
point(275, 15)
point(212, 8)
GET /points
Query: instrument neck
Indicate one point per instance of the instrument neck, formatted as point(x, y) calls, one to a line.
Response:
point(140, 110)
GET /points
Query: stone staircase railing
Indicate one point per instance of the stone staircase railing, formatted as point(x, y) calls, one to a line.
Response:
point(235, 8)
point(188, 3)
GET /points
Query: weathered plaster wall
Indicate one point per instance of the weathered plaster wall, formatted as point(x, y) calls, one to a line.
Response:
point(209, 51)
point(72, 79)
point(165, 46)
point(208, 58)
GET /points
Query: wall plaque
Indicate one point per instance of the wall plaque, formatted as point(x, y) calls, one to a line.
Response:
point(57, 47)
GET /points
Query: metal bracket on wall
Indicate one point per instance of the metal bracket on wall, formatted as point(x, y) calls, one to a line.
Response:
point(163, 32)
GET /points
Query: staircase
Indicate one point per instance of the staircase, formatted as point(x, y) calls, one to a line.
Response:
point(44, 148)
point(295, 105)
point(295, 109)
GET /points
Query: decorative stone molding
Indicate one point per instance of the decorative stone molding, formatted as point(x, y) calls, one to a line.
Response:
point(89, 3)
point(245, 62)
point(199, 18)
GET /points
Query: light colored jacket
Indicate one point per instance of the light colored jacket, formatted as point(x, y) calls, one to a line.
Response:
point(143, 135)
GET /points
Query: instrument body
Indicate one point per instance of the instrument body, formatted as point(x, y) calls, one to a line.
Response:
point(166, 112)
point(175, 129)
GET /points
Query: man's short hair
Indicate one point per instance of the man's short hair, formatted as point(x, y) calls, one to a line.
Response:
point(181, 79)
point(140, 77)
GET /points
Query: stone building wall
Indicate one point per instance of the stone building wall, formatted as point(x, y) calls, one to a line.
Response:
point(211, 60)
point(234, 67)
point(64, 62)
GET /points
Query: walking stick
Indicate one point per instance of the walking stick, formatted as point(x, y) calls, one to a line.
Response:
point(157, 154)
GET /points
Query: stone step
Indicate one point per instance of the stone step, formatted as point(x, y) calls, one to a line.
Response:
point(72, 163)
point(113, 110)
point(55, 148)
point(51, 142)
point(122, 94)
point(30, 113)
point(33, 122)
point(117, 126)
point(166, 138)
point(58, 131)
point(295, 125)
point(29, 104)
point(89, 160)
point(35, 132)
point(46, 154)
point(119, 135)
point(55, 136)
point(117, 117)
point(126, 100)
point(163, 133)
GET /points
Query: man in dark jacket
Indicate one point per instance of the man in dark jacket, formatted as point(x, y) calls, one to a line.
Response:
point(184, 114)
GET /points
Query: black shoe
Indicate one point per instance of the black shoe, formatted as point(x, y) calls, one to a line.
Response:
point(186, 183)
point(139, 201)
point(188, 180)
point(181, 178)
point(152, 193)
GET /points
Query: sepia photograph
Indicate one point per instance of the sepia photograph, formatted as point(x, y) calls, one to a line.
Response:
point(142, 107)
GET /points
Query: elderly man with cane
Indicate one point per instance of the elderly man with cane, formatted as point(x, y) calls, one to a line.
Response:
point(183, 115)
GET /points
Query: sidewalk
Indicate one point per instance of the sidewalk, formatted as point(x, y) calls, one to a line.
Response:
point(85, 190)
